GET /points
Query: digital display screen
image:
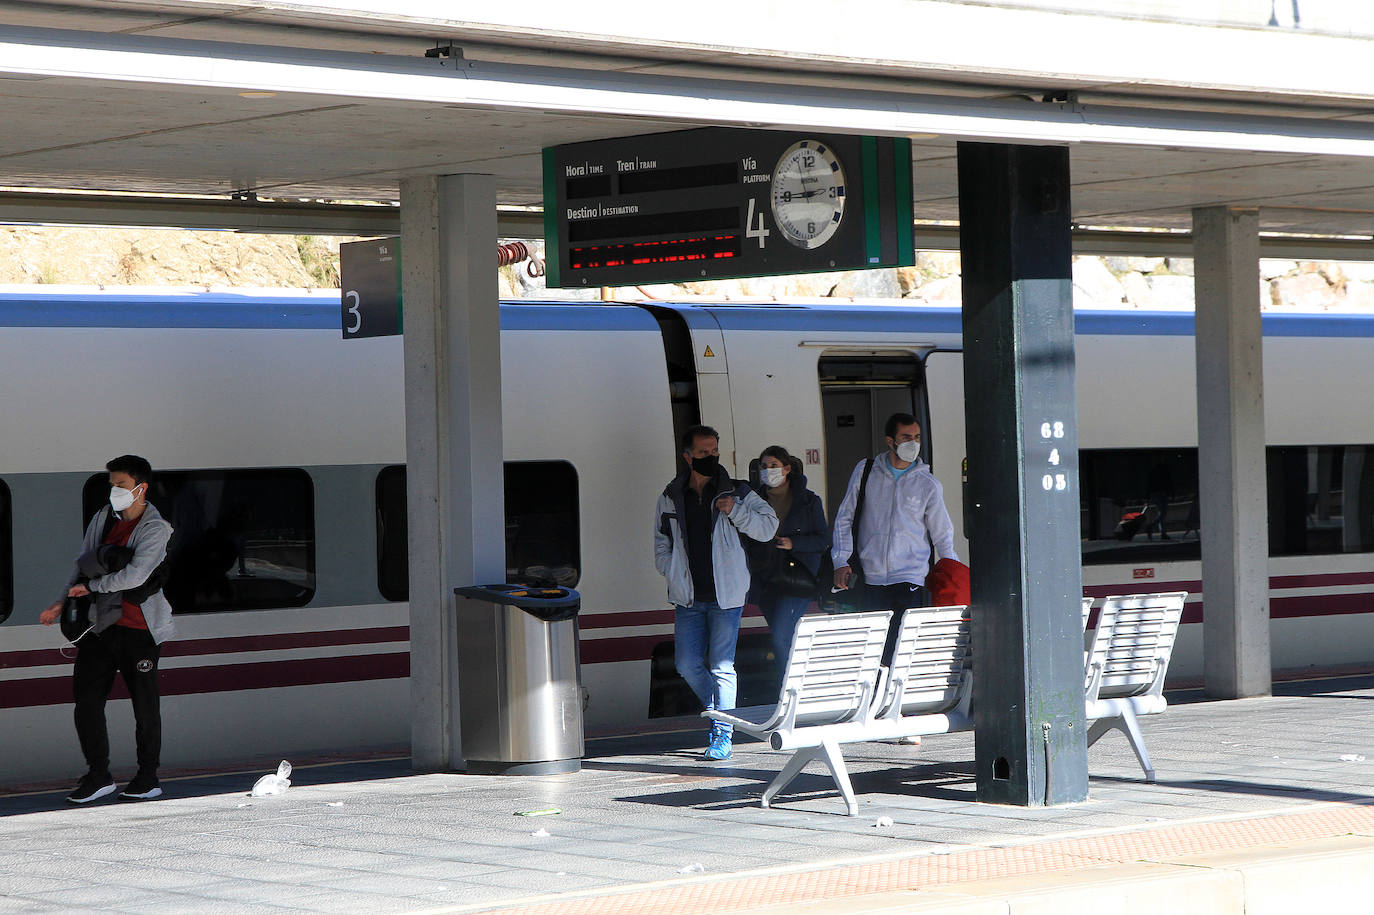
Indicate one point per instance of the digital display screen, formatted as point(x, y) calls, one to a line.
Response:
point(723, 202)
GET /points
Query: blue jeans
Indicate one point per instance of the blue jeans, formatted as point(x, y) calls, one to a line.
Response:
point(782, 612)
point(704, 636)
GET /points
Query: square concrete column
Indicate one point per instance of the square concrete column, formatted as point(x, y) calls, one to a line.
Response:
point(1021, 410)
point(455, 489)
point(1232, 487)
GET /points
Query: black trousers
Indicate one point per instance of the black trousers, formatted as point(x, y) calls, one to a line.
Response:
point(132, 654)
point(898, 597)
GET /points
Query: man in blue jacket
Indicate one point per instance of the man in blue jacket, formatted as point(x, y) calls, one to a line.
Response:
point(697, 527)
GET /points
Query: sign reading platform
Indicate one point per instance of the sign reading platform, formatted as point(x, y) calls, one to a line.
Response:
point(370, 288)
point(721, 202)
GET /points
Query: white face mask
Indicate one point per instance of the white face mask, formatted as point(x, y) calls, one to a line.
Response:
point(909, 451)
point(773, 476)
point(120, 499)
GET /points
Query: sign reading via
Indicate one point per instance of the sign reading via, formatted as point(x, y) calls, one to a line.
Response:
point(721, 202)
point(370, 277)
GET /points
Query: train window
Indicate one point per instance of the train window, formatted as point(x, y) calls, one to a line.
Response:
point(242, 539)
point(1321, 499)
point(6, 555)
point(1141, 505)
point(543, 527)
point(1138, 505)
point(393, 571)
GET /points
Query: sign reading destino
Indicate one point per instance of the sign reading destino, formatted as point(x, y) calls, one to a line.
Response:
point(719, 202)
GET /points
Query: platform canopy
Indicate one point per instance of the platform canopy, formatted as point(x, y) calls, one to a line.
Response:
point(301, 103)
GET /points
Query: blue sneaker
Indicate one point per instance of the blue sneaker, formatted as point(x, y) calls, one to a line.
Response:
point(719, 747)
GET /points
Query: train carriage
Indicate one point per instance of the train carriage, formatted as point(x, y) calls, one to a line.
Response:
point(281, 449)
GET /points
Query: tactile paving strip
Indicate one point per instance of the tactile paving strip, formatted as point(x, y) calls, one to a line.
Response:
point(941, 870)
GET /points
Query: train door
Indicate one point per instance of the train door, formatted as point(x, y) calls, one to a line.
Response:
point(698, 375)
point(858, 394)
point(944, 376)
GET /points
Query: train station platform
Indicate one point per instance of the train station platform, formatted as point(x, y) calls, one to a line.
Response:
point(1262, 805)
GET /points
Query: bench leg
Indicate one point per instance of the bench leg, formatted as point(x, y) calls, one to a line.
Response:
point(835, 761)
point(829, 753)
point(790, 771)
point(1127, 724)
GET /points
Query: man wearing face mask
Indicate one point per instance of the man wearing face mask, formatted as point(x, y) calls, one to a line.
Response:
point(903, 513)
point(127, 636)
point(697, 527)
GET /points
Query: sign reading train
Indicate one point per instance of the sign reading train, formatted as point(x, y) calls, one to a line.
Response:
point(718, 202)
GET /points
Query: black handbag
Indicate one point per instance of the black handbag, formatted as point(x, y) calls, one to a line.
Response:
point(792, 578)
point(851, 599)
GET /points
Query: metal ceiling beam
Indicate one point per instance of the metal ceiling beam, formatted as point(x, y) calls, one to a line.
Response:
point(269, 217)
point(266, 217)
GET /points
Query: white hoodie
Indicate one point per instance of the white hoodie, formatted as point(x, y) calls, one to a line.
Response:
point(899, 514)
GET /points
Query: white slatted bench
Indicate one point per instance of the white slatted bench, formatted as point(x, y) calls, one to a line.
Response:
point(831, 677)
point(1126, 664)
point(835, 691)
point(926, 691)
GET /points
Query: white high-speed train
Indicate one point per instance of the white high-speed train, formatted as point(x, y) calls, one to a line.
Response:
point(280, 453)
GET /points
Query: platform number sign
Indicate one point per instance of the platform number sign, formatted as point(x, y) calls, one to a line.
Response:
point(370, 293)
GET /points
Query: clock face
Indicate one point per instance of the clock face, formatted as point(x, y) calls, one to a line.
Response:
point(808, 193)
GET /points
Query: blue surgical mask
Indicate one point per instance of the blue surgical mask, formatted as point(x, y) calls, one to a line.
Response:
point(772, 476)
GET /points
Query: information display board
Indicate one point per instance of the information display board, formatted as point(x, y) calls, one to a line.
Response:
point(370, 288)
point(721, 202)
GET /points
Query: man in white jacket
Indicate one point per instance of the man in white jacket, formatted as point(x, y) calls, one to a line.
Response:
point(697, 527)
point(904, 512)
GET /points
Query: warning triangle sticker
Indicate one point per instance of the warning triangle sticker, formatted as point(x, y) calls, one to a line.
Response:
point(708, 354)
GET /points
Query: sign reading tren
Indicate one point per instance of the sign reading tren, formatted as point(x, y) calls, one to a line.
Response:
point(719, 202)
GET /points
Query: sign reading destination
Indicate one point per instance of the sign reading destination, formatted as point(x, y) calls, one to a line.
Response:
point(370, 287)
point(719, 202)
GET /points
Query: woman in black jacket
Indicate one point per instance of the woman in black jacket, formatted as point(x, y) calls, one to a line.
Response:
point(803, 536)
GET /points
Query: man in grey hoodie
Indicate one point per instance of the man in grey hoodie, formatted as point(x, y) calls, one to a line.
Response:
point(127, 637)
point(903, 515)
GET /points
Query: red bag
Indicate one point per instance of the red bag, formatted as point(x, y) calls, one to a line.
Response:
point(948, 584)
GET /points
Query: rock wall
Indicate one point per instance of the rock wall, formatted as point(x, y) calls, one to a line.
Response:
point(152, 257)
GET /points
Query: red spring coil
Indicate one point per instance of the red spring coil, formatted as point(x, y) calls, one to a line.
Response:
point(513, 253)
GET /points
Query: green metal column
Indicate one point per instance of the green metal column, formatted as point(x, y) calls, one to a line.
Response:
point(1021, 418)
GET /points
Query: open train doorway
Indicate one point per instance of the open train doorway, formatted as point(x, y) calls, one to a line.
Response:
point(858, 393)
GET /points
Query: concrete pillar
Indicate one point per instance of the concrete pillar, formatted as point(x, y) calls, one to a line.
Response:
point(455, 494)
point(1030, 743)
point(1232, 488)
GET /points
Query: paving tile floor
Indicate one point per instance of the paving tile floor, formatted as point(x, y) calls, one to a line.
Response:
point(370, 836)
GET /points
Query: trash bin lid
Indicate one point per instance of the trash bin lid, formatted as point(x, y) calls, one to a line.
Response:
point(548, 604)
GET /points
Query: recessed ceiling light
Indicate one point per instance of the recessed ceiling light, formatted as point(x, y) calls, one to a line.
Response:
point(257, 93)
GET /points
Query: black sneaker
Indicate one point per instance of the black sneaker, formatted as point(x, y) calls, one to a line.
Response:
point(92, 787)
point(143, 787)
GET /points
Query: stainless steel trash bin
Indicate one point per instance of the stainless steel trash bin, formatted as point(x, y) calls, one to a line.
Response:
point(519, 690)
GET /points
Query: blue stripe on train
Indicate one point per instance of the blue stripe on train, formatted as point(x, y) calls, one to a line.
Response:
point(237, 311)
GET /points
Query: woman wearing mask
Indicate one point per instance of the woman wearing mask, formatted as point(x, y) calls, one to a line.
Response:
point(803, 536)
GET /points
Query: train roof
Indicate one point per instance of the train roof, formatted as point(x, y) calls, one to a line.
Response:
point(292, 309)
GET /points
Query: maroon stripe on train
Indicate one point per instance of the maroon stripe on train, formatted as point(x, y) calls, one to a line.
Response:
point(42, 657)
point(587, 621)
point(1321, 580)
point(222, 678)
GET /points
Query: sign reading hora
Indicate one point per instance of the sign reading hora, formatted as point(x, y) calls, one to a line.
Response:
point(718, 202)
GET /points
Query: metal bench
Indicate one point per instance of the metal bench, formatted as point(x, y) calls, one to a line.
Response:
point(835, 691)
point(926, 690)
point(1126, 664)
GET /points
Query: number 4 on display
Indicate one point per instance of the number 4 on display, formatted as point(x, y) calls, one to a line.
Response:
point(749, 231)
